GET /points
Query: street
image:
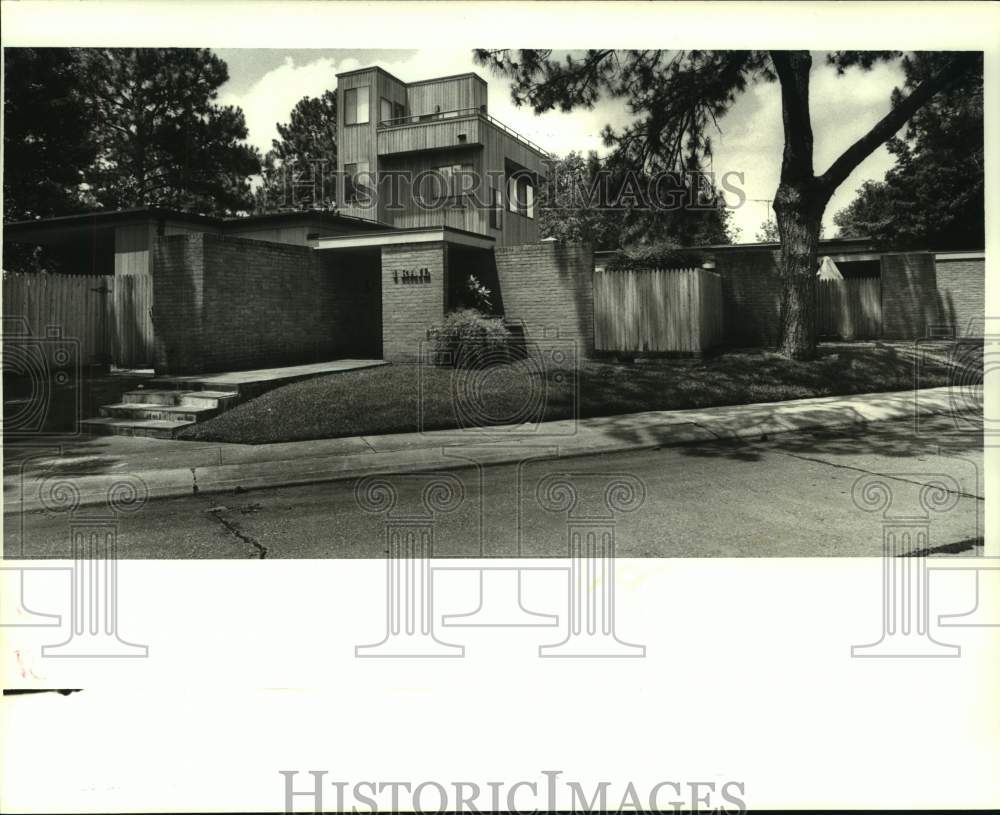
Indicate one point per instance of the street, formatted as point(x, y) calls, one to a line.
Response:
point(787, 496)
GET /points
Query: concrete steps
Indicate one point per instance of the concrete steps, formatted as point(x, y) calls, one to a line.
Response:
point(160, 413)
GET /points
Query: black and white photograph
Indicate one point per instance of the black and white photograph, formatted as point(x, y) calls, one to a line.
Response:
point(371, 393)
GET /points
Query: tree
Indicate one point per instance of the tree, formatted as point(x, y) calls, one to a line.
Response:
point(933, 196)
point(47, 133)
point(869, 215)
point(768, 232)
point(677, 96)
point(607, 204)
point(162, 140)
point(300, 168)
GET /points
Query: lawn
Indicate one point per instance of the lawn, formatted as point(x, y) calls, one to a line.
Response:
point(405, 398)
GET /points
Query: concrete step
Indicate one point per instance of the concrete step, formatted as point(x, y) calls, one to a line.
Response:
point(183, 383)
point(133, 410)
point(220, 399)
point(153, 428)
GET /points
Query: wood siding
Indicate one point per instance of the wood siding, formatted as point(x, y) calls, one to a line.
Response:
point(132, 243)
point(657, 310)
point(78, 307)
point(447, 93)
point(849, 309)
point(437, 135)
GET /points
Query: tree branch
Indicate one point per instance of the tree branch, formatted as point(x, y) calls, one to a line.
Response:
point(890, 124)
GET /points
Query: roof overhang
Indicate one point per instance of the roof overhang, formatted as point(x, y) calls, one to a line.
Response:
point(397, 237)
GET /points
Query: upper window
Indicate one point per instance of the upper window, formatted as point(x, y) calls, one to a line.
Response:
point(356, 179)
point(521, 195)
point(385, 110)
point(356, 106)
point(496, 209)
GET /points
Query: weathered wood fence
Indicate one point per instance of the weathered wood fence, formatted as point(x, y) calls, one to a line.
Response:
point(109, 317)
point(850, 309)
point(657, 310)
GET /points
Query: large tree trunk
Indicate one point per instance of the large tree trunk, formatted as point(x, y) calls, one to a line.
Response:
point(799, 213)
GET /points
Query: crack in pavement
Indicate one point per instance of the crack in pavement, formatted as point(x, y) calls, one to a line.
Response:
point(960, 493)
point(216, 512)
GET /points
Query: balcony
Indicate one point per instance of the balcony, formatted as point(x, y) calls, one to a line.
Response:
point(443, 130)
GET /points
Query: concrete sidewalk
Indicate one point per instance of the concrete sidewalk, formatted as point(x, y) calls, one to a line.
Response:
point(177, 468)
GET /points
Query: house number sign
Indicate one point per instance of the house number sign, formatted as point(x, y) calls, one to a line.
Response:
point(412, 276)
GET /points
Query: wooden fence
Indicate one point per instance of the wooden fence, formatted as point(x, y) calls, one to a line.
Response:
point(109, 317)
point(850, 309)
point(133, 325)
point(657, 310)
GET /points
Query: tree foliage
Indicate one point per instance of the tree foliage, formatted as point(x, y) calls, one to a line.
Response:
point(933, 196)
point(300, 168)
point(162, 138)
point(47, 138)
point(608, 204)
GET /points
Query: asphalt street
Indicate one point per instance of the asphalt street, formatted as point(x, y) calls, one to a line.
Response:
point(790, 495)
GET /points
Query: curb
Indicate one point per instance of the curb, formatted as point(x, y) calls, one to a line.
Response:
point(628, 433)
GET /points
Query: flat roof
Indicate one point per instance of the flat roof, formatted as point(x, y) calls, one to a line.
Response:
point(395, 237)
point(15, 230)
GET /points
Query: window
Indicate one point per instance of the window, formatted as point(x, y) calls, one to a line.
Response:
point(512, 193)
point(459, 179)
point(385, 110)
point(398, 110)
point(356, 106)
point(497, 209)
point(521, 195)
point(356, 177)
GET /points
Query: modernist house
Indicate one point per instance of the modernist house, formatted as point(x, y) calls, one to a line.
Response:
point(432, 189)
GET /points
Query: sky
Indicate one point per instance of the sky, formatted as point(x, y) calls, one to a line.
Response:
point(267, 83)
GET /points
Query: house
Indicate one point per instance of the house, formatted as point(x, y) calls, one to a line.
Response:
point(432, 190)
point(434, 157)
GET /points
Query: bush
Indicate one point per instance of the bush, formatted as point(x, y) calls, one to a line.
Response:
point(470, 339)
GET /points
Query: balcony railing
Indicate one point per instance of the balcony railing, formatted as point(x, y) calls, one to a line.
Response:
point(459, 113)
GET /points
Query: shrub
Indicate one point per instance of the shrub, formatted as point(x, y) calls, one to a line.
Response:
point(470, 339)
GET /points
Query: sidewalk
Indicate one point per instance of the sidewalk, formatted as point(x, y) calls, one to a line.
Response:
point(173, 468)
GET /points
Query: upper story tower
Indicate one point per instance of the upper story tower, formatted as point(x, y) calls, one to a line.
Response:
point(429, 154)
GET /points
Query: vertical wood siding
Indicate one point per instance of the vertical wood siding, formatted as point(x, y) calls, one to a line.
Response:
point(850, 309)
point(657, 310)
point(71, 307)
point(109, 317)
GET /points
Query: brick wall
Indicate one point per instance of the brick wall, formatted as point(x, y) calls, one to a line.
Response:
point(549, 287)
point(410, 309)
point(751, 292)
point(961, 285)
point(232, 303)
point(910, 302)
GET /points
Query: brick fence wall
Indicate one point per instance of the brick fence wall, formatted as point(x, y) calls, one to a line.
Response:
point(224, 303)
point(549, 287)
point(410, 309)
point(910, 303)
point(961, 285)
point(751, 293)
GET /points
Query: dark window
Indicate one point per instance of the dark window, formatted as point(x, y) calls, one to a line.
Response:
point(497, 208)
point(355, 179)
point(398, 110)
point(385, 110)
